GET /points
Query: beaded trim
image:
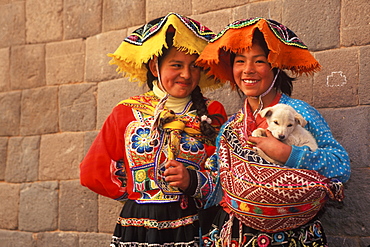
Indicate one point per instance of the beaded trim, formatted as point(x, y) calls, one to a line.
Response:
point(139, 36)
point(153, 223)
point(283, 33)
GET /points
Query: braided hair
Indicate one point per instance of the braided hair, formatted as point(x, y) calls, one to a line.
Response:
point(199, 104)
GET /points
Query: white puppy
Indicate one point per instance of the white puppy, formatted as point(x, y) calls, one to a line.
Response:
point(285, 125)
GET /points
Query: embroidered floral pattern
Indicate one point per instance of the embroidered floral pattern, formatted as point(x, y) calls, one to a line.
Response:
point(120, 172)
point(309, 235)
point(147, 153)
point(263, 241)
point(279, 237)
point(191, 144)
point(141, 141)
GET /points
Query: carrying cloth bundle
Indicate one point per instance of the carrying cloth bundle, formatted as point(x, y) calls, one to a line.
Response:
point(265, 196)
point(260, 194)
point(287, 51)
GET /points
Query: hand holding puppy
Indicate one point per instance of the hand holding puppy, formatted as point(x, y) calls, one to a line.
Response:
point(276, 150)
point(285, 128)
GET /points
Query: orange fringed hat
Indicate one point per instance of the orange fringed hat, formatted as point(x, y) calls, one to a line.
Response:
point(287, 51)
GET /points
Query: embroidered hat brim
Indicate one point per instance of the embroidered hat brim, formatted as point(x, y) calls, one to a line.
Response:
point(287, 51)
point(147, 41)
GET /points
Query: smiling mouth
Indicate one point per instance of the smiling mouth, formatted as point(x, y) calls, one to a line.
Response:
point(184, 84)
point(250, 81)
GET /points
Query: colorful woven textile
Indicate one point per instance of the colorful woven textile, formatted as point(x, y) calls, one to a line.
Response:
point(179, 129)
point(287, 51)
point(147, 41)
point(140, 35)
point(262, 195)
point(308, 235)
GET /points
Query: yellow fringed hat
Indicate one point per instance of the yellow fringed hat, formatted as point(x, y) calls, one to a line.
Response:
point(147, 41)
point(287, 51)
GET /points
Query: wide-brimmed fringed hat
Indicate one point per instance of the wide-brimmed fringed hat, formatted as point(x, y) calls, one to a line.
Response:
point(287, 51)
point(147, 41)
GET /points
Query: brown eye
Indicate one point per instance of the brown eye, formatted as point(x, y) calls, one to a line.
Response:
point(276, 122)
point(290, 125)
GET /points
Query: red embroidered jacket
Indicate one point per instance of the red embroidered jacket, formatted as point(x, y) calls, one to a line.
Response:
point(121, 161)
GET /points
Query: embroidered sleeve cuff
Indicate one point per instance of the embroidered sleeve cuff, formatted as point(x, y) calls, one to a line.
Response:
point(295, 157)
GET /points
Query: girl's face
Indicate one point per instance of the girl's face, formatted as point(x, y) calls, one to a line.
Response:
point(252, 73)
point(178, 73)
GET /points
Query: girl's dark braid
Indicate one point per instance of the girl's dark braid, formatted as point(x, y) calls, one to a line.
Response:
point(200, 106)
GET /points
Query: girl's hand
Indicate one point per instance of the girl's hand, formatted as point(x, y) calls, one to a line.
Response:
point(177, 175)
point(272, 147)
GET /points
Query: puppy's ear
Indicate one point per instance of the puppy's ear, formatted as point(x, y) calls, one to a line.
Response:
point(267, 112)
point(300, 120)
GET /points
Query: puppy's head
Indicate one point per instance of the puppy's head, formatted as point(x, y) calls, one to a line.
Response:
point(282, 119)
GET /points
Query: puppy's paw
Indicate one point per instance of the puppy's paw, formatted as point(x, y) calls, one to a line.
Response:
point(256, 150)
point(259, 132)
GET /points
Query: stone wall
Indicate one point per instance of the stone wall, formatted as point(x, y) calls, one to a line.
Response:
point(56, 89)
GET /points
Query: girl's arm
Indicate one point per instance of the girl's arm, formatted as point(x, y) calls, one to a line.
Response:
point(102, 170)
point(330, 159)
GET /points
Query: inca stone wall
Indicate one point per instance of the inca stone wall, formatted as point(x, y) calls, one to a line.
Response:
point(56, 89)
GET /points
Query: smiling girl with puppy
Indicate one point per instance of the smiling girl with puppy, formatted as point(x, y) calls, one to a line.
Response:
point(264, 204)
